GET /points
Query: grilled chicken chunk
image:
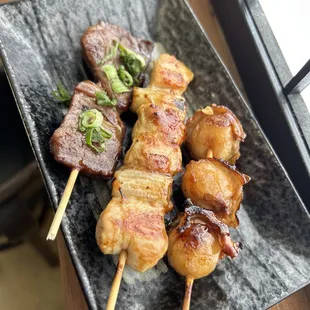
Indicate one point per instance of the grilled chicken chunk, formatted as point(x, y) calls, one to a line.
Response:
point(153, 188)
point(198, 242)
point(216, 186)
point(164, 122)
point(135, 226)
point(150, 154)
point(98, 42)
point(214, 128)
point(170, 74)
point(68, 144)
point(159, 130)
point(158, 97)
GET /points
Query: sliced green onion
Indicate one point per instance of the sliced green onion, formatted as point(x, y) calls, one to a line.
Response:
point(91, 136)
point(125, 51)
point(104, 100)
point(105, 134)
point(90, 119)
point(125, 76)
point(110, 55)
point(90, 122)
point(116, 84)
point(61, 94)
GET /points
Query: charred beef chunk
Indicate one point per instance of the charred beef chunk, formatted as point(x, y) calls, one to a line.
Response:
point(99, 43)
point(68, 143)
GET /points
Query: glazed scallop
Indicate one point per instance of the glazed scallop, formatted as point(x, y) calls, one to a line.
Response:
point(198, 242)
point(214, 185)
point(215, 129)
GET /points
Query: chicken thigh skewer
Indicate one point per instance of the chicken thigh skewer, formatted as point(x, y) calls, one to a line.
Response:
point(202, 237)
point(132, 224)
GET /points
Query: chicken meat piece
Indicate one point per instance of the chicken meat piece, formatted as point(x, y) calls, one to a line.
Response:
point(214, 185)
point(150, 154)
point(170, 74)
point(68, 144)
point(215, 129)
point(164, 122)
point(98, 42)
point(136, 227)
point(198, 242)
point(153, 188)
point(158, 97)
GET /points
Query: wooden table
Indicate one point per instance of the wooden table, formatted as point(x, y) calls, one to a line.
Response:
point(73, 294)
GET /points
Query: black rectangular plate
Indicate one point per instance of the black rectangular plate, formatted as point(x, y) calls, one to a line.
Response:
point(40, 46)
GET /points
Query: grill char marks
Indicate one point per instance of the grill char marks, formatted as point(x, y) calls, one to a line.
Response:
point(68, 143)
point(98, 41)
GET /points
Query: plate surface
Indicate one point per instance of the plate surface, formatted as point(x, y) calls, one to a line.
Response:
point(40, 45)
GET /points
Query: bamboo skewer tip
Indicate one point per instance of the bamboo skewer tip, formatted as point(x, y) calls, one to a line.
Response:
point(188, 293)
point(62, 205)
point(117, 280)
point(209, 153)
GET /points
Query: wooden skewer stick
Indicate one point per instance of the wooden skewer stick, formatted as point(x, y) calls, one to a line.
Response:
point(188, 293)
point(189, 280)
point(209, 153)
point(62, 205)
point(117, 280)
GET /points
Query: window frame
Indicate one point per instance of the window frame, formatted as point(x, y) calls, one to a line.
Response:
point(283, 116)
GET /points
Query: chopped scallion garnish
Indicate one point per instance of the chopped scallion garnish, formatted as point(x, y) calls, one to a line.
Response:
point(90, 123)
point(61, 94)
point(90, 119)
point(111, 55)
point(125, 76)
point(104, 100)
point(133, 62)
point(125, 52)
point(116, 84)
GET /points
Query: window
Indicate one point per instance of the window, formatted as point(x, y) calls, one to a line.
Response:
point(283, 26)
point(269, 40)
point(290, 24)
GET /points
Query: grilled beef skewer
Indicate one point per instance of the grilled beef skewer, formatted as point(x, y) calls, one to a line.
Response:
point(90, 138)
point(103, 45)
point(68, 143)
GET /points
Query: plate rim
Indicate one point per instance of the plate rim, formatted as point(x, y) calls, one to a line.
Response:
point(19, 98)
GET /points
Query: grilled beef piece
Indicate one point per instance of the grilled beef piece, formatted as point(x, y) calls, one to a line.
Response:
point(68, 144)
point(98, 41)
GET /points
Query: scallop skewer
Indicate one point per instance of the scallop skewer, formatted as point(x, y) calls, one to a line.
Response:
point(189, 280)
point(196, 245)
point(212, 132)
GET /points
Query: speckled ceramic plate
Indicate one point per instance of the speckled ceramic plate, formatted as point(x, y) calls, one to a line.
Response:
point(40, 45)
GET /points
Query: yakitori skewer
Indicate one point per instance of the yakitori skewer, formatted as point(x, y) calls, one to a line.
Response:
point(117, 60)
point(133, 221)
point(196, 244)
point(218, 186)
point(89, 141)
point(213, 185)
point(62, 205)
